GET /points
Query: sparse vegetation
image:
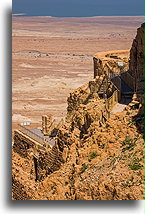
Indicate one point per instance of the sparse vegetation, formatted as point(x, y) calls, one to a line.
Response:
point(114, 160)
point(93, 155)
point(127, 113)
point(103, 145)
point(96, 152)
point(66, 183)
point(128, 144)
point(132, 122)
point(135, 166)
point(83, 168)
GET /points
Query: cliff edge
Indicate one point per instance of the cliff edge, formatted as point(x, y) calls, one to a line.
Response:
point(101, 153)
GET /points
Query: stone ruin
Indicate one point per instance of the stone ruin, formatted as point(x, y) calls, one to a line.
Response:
point(110, 70)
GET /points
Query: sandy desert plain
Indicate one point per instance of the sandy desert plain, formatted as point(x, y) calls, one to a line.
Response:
point(53, 56)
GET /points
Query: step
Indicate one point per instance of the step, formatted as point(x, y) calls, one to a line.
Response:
point(127, 92)
point(127, 97)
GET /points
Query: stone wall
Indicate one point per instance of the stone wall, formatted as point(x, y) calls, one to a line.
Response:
point(46, 160)
point(46, 123)
point(105, 61)
point(98, 88)
point(22, 144)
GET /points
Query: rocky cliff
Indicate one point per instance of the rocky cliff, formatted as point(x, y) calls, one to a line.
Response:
point(101, 160)
point(136, 63)
point(137, 54)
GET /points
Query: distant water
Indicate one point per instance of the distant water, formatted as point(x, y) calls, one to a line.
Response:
point(78, 8)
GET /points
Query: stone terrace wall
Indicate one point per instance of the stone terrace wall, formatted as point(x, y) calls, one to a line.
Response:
point(46, 160)
point(109, 60)
point(21, 144)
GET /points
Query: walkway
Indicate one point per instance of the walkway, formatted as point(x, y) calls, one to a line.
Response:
point(38, 136)
point(120, 106)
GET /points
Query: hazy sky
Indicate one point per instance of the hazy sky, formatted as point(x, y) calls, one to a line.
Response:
point(76, 8)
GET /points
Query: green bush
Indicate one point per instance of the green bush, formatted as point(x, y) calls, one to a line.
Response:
point(84, 167)
point(128, 144)
point(135, 166)
point(93, 155)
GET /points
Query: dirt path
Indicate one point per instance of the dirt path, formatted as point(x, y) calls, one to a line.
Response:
point(118, 108)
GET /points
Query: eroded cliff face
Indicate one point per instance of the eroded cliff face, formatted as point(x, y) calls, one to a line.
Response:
point(101, 160)
point(104, 164)
point(137, 54)
point(115, 60)
point(136, 63)
point(83, 95)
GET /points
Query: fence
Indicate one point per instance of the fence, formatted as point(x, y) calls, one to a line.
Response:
point(110, 73)
point(115, 80)
point(109, 103)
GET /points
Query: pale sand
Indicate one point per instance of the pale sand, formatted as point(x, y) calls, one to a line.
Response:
point(53, 56)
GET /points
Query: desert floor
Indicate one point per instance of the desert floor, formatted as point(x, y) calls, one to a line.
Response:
point(53, 56)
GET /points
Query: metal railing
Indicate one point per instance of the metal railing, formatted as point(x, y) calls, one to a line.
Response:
point(115, 97)
point(42, 140)
point(111, 101)
point(115, 79)
point(128, 79)
point(31, 134)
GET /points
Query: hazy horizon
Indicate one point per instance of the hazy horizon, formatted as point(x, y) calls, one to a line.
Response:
point(26, 15)
point(78, 8)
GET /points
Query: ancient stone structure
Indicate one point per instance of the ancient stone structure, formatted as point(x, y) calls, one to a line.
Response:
point(46, 123)
point(76, 163)
point(44, 150)
point(105, 88)
point(110, 61)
